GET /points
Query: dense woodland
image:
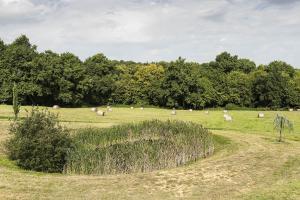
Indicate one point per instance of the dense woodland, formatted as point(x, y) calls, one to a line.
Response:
point(49, 78)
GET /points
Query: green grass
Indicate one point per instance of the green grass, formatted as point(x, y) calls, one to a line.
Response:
point(221, 143)
point(248, 162)
point(244, 121)
point(5, 162)
point(286, 183)
point(289, 191)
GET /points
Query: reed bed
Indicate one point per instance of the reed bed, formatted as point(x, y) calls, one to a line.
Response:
point(138, 147)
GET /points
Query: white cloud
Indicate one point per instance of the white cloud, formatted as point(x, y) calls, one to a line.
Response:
point(16, 10)
point(143, 30)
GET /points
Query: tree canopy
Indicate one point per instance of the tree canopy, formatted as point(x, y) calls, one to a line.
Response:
point(47, 78)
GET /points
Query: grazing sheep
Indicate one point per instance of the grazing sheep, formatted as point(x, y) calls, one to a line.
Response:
point(131, 108)
point(94, 109)
point(173, 112)
point(291, 109)
point(298, 109)
point(227, 118)
point(142, 108)
point(109, 109)
point(191, 110)
point(56, 107)
point(100, 113)
point(206, 112)
point(261, 115)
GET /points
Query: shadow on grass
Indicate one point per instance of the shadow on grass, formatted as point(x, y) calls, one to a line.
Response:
point(223, 143)
point(5, 162)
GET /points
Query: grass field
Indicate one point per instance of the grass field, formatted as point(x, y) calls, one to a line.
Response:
point(251, 166)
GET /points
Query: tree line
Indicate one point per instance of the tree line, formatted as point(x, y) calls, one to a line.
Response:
point(48, 78)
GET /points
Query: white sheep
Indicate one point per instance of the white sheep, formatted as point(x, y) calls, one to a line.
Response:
point(94, 109)
point(227, 118)
point(56, 107)
point(261, 115)
point(100, 113)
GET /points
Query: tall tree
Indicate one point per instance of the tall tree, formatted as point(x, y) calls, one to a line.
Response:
point(71, 82)
point(16, 66)
point(48, 71)
point(4, 89)
point(272, 85)
point(245, 65)
point(227, 63)
point(101, 77)
point(149, 79)
point(175, 83)
point(126, 91)
point(239, 89)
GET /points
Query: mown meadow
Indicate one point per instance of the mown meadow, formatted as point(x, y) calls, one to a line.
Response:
point(245, 121)
point(248, 162)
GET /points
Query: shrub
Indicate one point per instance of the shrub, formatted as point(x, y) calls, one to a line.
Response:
point(39, 143)
point(141, 147)
point(16, 103)
point(281, 123)
point(231, 106)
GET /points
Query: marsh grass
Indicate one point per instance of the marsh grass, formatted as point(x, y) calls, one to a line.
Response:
point(138, 147)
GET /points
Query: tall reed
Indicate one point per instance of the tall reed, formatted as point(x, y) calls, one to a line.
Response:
point(140, 147)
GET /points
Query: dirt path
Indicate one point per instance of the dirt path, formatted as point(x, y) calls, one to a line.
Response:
point(232, 174)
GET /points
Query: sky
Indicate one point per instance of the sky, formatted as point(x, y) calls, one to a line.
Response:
point(154, 30)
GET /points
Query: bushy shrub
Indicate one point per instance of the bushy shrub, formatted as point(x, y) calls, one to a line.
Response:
point(231, 106)
point(39, 143)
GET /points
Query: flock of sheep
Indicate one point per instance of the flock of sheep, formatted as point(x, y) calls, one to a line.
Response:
point(226, 116)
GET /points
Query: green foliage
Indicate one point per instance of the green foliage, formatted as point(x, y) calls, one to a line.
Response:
point(142, 147)
point(280, 124)
point(176, 82)
point(226, 62)
point(139, 84)
point(274, 86)
point(16, 66)
point(39, 143)
point(49, 78)
point(100, 79)
point(232, 106)
point(239, 89)
point(16, 104)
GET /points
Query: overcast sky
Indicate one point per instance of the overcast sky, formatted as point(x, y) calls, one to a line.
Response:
point(152, 30)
